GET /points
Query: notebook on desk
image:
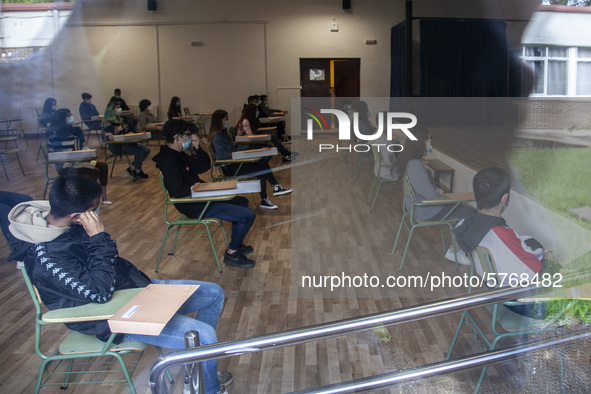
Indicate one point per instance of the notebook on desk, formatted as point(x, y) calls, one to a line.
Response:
point(148, 312)
point(225, 185)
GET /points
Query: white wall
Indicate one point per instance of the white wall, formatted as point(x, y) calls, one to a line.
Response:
point(249, 47)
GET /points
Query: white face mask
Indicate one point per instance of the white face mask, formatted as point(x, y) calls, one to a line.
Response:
point(118, 111)
point(70, 119)
point(150, 108)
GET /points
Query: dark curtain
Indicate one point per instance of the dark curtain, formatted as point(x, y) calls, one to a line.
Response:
point(463, 58)
point(397, 60)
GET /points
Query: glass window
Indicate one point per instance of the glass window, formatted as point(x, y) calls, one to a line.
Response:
point(535, 51)
point(537, 67)
point(583, 79)
point(557, 52)
point(557, 78)
point(584, 53)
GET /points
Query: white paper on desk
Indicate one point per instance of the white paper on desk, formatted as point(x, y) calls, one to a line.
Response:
point(242, 187)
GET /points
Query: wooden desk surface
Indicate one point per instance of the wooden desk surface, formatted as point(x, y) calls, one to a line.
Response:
point(451, 198)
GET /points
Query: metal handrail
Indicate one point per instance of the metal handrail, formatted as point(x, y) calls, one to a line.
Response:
point(442, 367)
point(329, 330)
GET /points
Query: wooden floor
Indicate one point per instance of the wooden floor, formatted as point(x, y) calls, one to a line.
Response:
point(323, 228)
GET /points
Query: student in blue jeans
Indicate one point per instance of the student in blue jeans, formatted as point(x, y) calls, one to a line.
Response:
point(73, 261)
point(180, 172)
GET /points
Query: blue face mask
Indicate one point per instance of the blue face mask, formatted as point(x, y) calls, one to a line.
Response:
point(118, 111)
point(70, 120)
point(53, 107)
point(257, 114)
point(187, 143)
point(178, 104)
point(226, 124)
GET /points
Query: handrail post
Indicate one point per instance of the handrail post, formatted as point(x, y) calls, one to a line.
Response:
point(194, 371)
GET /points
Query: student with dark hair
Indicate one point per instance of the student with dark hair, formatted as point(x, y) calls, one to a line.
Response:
point(249, 124)
point(222, 147)
point(87, 110)
point(49, 107)
point(131, 120)
point(174, 109)
point(117, 96)
point(63, 138)
point(72, 261)
point(266, 112)
point(146, 115)
point(62, 121)
point(181, 171)
point(513, 254)
point(114, 124)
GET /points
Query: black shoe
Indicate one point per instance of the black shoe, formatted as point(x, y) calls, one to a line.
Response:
point(141, 174)
point(237, 259)
point(267, 204)
point(245, 249)
point(278, 190)
point(131, 173)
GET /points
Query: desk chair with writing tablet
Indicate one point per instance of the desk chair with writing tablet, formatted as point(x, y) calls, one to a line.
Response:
point(183, 220)
point(414, 223)
point(381, 173)
point(511, 323)
point(220, 176)
point(78, 346)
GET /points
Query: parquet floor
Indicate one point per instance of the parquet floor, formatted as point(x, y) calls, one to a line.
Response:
point(323, 228)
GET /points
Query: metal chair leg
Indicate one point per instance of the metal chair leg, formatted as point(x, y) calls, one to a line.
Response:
point(3, 167)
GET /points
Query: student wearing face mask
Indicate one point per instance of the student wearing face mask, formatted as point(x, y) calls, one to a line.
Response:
point(222, 147)
point(64, 137)
point(174, 109)
point(113, 123)
point(249, 125)
point(180, 172)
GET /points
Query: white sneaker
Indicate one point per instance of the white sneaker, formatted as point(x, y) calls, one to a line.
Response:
point(462, 258)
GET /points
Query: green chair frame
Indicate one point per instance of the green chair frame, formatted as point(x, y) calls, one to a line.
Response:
point(8, 132)
point(49, 179)
point(183, 220)
point(82, 346)
point(98, 133)
point(7, 151)
point(379, 178)
point(414, 223)
point(511, 323)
